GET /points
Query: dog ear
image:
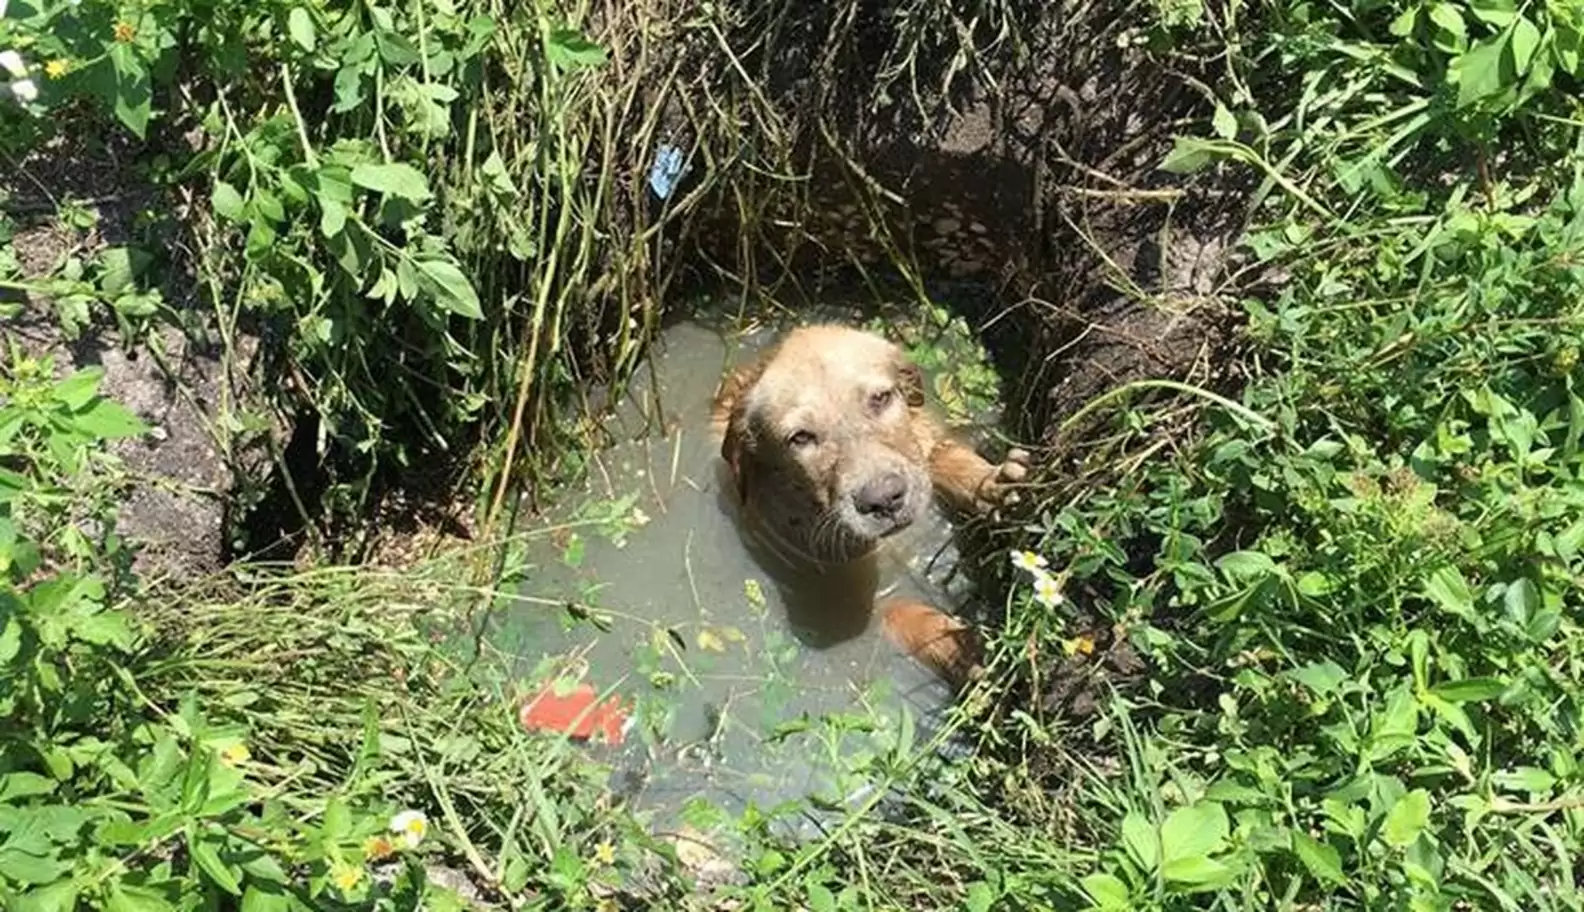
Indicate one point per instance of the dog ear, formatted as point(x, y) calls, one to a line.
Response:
point(734, 450)
point(912, 383)
point(730, 413)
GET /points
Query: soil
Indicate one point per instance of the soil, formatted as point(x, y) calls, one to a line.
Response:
point(181, 387)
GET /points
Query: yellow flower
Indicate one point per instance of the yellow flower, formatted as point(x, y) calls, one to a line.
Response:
point(411, 827)
point(1047, 591)
point(235, 754)
point(378, 848)
point(607, 905)
point(57, 68)
point(346, 876)
point(1079, 645)
point(124, 32)
point(605, 853)
point(1028, 561)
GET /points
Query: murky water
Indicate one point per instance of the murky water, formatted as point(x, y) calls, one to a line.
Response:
point(731, 707)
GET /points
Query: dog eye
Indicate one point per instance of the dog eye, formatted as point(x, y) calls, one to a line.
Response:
point(802, 439)
point(879, 401)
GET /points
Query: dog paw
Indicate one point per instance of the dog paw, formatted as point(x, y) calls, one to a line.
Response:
point(1016, 467)
point(997, 490)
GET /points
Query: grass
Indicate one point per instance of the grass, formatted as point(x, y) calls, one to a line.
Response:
point(1319, 645)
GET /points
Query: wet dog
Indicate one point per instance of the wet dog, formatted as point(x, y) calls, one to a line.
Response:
point(828, 449)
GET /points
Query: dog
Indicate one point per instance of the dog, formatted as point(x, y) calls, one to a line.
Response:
point(828, 449)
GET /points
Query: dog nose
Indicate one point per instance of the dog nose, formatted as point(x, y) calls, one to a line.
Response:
point(881, 496)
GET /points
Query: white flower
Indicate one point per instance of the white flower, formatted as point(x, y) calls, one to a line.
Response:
point(410, 827)
point(24, 90)
point(1028, 561)
point(1046, 591)
point(11, 62)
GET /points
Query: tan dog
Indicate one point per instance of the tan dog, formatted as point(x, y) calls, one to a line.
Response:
point(828, 449)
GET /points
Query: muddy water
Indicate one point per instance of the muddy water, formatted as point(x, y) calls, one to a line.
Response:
point(673, 613)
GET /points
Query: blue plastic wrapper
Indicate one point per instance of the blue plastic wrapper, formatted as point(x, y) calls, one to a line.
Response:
point(666, 170)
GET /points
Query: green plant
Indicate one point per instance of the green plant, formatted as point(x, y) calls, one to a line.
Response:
point(1359, 612)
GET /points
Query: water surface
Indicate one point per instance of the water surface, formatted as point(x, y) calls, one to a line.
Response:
point(731, 707)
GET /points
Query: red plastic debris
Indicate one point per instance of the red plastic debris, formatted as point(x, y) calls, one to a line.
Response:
point(574, 714)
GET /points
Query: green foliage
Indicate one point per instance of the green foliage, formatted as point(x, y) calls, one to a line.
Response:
point(1362, 622)
point(157, 753)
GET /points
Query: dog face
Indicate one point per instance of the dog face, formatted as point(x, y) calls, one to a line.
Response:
point(821, 440)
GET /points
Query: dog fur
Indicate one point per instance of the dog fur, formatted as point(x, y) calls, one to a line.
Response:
point(828, 448)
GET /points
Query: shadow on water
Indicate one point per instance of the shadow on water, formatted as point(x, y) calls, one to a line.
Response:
point(642, 586)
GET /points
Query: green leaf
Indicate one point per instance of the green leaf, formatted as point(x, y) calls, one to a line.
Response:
point(300, 25)
point(332, 216)
point(980, 897)
point(261, 238)
point(260, 899)
point(1528, 779)
point(119, 268)
point(24, 785)
point(1141, 839)
point(1223, 122)
point(1196, 871)
point(337, 820)
point(1107, 891)
point(80, 388)
point(1470, 690)
point(1407, 818)
point(208, 858)
point(1545, 623)
point(1320, 858)
point(1450, 18)
point(452, 288)
point(1403, 25)
point(1188, 155)
point(1525, 38)
point(1246, 565)
point(1522, 600)
point(57, 897)
point(133, 97)
point(1498, 13)
point(395, 179)
point(820, 898)
point(25, 867)
point(131, 898)
point(1199, 829)
point(227, 202)
point(568, 49)
point(1323, 678)
point(1478, 71)
point(1447, 588)
point(108, 420)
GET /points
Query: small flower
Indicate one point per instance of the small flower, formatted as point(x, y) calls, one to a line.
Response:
point(346, 876)
point(1079, 645)
point(11, 62)
point(124, 32)
point(410, 826)
point(378, 848)
point(57, 68)
point(605, 853)
point(235, 754)
point(24, 90)
point(1047, 591)
point(1028, 561)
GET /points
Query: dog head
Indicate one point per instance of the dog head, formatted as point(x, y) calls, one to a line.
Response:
point(820, 440)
